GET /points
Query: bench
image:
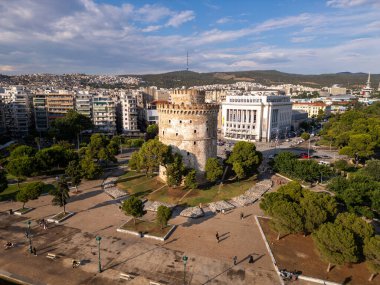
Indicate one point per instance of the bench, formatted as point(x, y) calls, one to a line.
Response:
point(127, 276)
point(51, 256)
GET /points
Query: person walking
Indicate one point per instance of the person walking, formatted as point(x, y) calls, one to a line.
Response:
point(250, 260)
point(217, 236)
point(34, 251)
point(241, 216)
point(235, 260)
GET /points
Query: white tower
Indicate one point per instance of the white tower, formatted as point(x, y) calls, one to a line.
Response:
point(367, 90)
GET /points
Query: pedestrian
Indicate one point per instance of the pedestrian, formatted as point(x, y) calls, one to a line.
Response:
point(250, 260)
point(241, 216)
point(34, 251)
point(45, 225)
point(235, 260)
point(217, 236)
point(10, 212)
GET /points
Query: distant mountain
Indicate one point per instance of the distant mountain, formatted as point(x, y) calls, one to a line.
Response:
point(266, 77)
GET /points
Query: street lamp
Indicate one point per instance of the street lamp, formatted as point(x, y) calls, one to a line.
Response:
point(29, 237)
point(184, 259)
point(98, 239)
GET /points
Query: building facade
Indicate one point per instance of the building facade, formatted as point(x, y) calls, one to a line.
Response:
point(313, 109)
point(104, 114)
point(83, 103)
point(16, 101)
point(189, 126)
point(59, 103)
point(41, 120)
point(129, 113)
point(255, 118)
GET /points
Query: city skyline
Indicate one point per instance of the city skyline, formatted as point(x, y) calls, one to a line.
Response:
point(137, 37)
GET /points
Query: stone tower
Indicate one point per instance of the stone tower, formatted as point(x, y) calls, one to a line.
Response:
point(189, 126)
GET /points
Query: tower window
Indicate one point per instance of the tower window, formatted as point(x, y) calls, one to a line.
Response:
point(180, 122)
point(195, 131)
point(163, 132)
point(191, 121)
point(176, 134)
point(170, 121)
point(195, 143)
point(188, 153)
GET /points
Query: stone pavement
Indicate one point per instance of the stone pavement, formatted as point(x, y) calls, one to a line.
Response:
point(209, 262)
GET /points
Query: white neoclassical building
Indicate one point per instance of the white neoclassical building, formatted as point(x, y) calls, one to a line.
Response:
point(256, 117)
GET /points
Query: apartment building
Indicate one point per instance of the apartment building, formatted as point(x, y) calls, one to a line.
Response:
point(83, 103)
point(104, 113)
point(40, 109)
point(256, 117)
point(16, 101)
point(59, 103)
point(129, 113)
point(312, 108)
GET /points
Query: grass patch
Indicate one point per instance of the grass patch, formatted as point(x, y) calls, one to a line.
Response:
point(136, 183)
point(61, 216)
point(12, 190)
point(146, 227)
point(212, 194)
point(168, 195)
point(23, 210)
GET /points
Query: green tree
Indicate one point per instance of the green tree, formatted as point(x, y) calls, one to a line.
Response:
point(359, 228)
point(287, 217)
point(335, 244)
point(284, 162)
point(372, 255)
point(163, 215)
point(341, 165)
point(60, 193)
point(305, 136)
point(134, 162)
point(360, 146)
point(3, 181)
point(98, 149)
point(175, 170)
point(372, 169)
point(30, 191)
point(90, 169)
point(151, 131)
point(244, 159)
point(70, 126)
point(74, 173)
point(134, 207)
point(338, 185)
point(318, 208)
point(21, 167)
point(21, 151)
point(191, 179)
point(293, 190)
point(54, 156)
point(214, 169)
point(154, 153)
point(269, 200)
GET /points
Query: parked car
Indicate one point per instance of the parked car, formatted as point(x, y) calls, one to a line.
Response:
point(324, 162)
point(304, 155)
point(316, 156)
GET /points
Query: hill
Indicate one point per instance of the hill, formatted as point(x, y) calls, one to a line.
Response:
point(266, 77)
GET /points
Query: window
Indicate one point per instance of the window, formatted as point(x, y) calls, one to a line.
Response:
point(180, 122)
point(163, 132)
point(170, 121)
point(195, 143)
point(188, 153)
point(176, 134)
point(195, 131)
point(191, 121)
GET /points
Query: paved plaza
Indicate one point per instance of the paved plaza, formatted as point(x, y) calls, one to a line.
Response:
point(209, 262)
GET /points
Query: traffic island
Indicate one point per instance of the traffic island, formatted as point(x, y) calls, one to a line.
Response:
point(147, 229)
point(60, 217)
point(22, 211)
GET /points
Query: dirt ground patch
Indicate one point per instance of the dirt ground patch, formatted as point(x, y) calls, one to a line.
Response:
point(296, 252)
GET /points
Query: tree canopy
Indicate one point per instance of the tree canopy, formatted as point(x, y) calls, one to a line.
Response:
point(244, 158)
point(372, 254)
point(214, 169)
point(133, 206)
point(60, 193)
point(3, 181)
point(163, 215)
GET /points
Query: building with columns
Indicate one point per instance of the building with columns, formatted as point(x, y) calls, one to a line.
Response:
point(256, 117)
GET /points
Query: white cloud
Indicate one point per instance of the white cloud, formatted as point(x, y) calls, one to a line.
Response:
point(301, 39)
point(348, 3)
point(7, 68)
point(151, 28)
point(153, 13)
point(180, 18)
point(224, 20)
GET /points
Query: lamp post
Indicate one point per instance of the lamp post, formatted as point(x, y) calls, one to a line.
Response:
point(184, 259)
point(29, 237)
point(98, 239)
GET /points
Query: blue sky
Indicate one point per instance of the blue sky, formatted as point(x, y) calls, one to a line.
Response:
point(134, 37)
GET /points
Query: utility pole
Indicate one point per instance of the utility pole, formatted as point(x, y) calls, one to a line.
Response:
point(187, 61)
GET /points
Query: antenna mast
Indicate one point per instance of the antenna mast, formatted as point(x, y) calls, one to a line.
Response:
point(187, 61)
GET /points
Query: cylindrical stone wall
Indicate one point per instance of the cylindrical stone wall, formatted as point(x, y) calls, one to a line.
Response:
point(190, 130)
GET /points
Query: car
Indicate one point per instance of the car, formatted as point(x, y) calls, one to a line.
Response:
point(325, 156)
point(316, 156)
point(323, 163)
